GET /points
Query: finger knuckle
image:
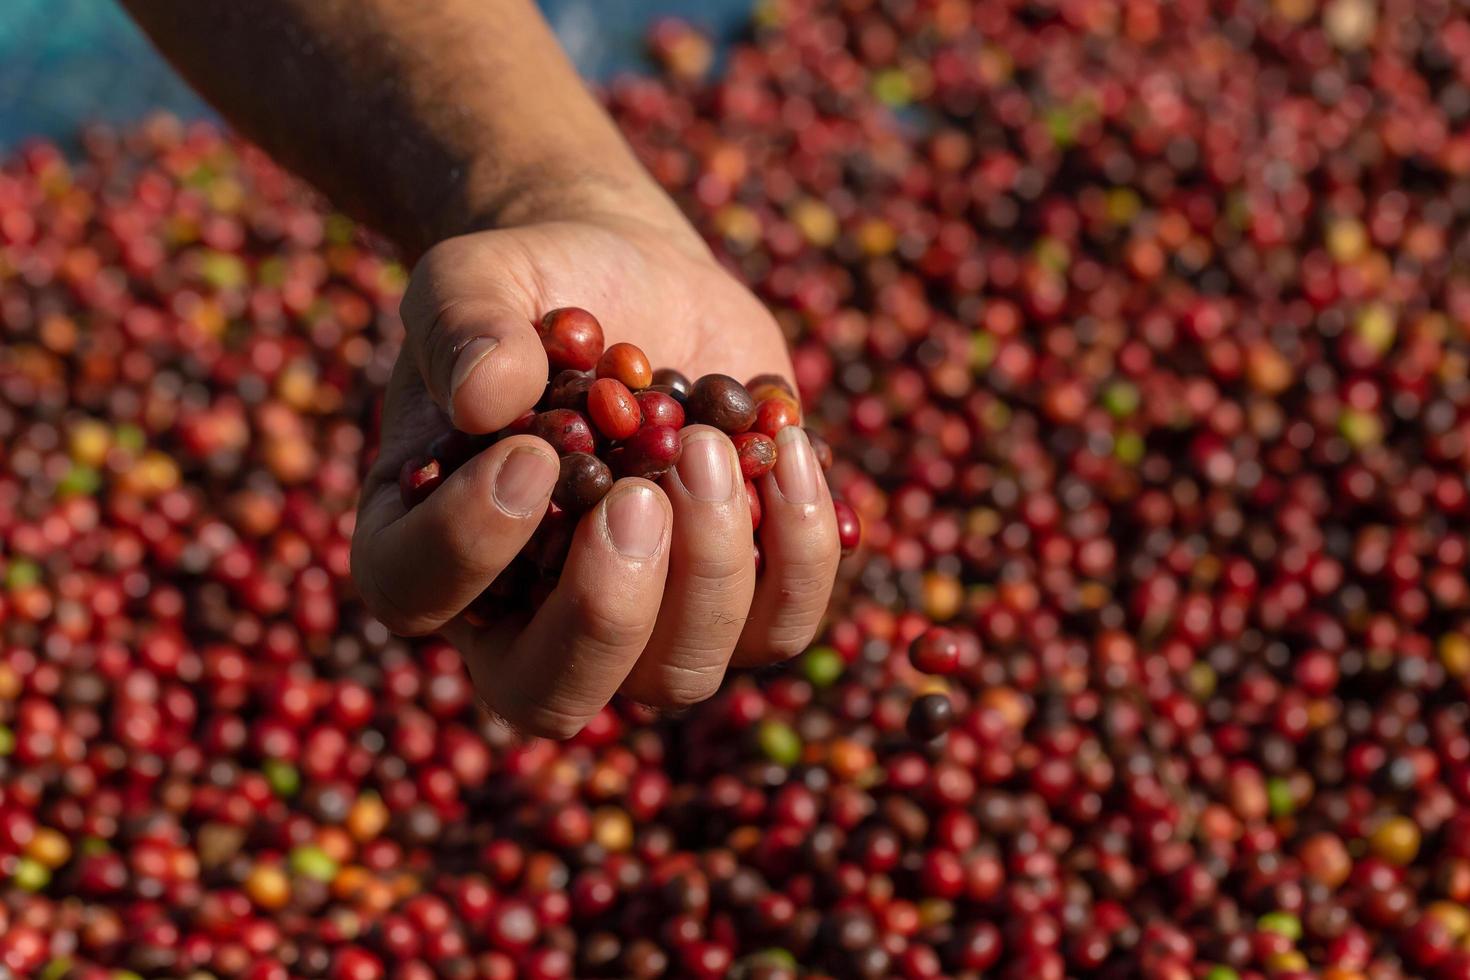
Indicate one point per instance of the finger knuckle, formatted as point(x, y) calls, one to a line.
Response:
point(719, 574)
point(805, 583)
point(521, 718)
point(607, 625)
point(788, 639)
point(399, 623)
point(555, 714)
point(542, 721)
point(444, 256)
point(460, 545)
point(801, 597)
point(685, 685)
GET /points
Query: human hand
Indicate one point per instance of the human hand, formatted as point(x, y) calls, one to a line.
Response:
point(659, 591)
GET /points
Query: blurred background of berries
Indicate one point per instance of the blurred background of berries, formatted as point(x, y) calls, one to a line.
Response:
point(1139, 334)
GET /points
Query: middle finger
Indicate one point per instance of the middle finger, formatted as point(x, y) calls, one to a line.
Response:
point(711, 576)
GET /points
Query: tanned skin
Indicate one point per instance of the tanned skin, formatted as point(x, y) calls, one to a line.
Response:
point(459, 129)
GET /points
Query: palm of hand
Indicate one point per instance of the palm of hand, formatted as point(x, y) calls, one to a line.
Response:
point(657, 288)
point(660, 290)
point(661, 625)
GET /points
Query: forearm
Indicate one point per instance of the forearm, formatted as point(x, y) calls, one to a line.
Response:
point(424, 119)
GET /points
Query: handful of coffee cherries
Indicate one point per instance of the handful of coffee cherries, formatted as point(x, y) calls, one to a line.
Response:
point(609, 414)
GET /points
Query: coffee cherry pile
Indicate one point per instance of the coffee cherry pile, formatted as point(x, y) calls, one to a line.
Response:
point(608, 414)
point(1136, 333)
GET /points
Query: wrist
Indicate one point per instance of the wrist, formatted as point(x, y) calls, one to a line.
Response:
point(610, 187)
point(567, 192)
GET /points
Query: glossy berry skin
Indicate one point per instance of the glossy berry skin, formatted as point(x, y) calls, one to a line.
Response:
point(649, 454)
point(567, 431)
point(521, 424)
point(936, 651)
point(774, 414)
point(356, 963)
point(849, 528)
point(770, 392)
point(754, 496)
point(721, 401)
point(930, 716)
point(418, 478)
point(757, 454)
point(572, 338)
point(568, 389)
point(613, 409)
point(628, 364)
point(660, 408)
point(583, 481)
point(776, 381)
point(673, 379)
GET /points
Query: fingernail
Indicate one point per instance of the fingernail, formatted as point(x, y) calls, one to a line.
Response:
point(524, 481)
point(466, 359)
point(796, 466)
point(704, 467)
point(636, 522)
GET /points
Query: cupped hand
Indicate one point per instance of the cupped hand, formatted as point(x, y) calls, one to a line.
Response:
point(659, 592)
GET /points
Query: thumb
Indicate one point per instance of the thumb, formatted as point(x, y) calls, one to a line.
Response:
point(470, 330)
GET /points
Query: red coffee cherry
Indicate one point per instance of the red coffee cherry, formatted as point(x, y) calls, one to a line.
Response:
point(627, 364)
point(566, 430)
point(583, 481)
point(649, 454)
point(721, 401)
point(572, 338)
point(849, 528)
point(936, 651)
point(661, 408)
point(417, 478)
point(775, 414)
point(613, 409)
point(757, 453)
